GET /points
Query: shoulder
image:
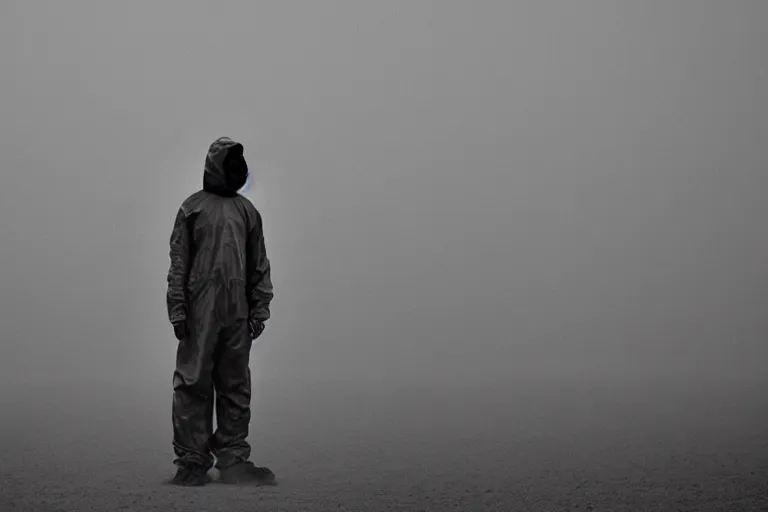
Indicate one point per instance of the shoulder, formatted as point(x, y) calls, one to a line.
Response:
point(249, 207)
point(194, 202)
point(251, 212)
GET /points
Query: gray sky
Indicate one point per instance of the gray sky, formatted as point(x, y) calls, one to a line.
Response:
point(451, 190)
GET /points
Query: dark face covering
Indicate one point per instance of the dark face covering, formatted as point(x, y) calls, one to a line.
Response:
point(236, 171)
point(226, 171)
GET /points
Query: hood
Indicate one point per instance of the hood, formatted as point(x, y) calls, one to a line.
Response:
point(225, 168)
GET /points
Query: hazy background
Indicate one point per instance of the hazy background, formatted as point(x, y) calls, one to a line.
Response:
point(462, 200)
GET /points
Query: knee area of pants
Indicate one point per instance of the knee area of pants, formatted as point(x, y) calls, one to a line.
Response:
point(198, 389)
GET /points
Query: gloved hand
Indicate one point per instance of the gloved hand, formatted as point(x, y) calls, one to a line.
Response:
point(255, 328)
point(180, 330)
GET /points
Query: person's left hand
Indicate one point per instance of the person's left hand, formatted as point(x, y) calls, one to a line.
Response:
point(255, 328)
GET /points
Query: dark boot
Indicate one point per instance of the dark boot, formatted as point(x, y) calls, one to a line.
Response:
point(191, 476)
point(247, 473)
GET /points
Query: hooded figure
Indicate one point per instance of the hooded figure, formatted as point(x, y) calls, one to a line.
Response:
point(219, 293)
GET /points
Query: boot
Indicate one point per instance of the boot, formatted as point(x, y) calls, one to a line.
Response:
point(246, 473)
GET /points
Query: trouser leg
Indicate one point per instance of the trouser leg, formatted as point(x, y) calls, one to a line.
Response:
point(232, 380)
point(193, 396)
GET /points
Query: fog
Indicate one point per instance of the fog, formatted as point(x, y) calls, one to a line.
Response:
point(456, 195)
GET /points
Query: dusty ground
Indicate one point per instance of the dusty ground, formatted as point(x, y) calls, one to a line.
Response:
point(666, 444)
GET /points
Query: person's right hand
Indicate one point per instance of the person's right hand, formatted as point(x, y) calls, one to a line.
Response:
point(180, 330)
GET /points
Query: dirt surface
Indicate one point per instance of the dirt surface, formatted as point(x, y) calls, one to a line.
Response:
point(660, 446)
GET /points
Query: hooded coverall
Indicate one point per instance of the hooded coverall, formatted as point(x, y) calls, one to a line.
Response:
point(219, 284)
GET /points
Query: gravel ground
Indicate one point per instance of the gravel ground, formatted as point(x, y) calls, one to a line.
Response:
point(668, 446)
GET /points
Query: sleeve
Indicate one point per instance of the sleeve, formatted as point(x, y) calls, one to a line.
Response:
point(259, 289)
point(176, 298)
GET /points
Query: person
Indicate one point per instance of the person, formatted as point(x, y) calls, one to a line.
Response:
point(218, 298)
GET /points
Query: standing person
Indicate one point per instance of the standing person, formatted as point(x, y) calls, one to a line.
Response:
point(219, 294)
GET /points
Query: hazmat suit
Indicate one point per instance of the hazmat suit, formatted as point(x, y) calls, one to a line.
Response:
point(219, 294)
